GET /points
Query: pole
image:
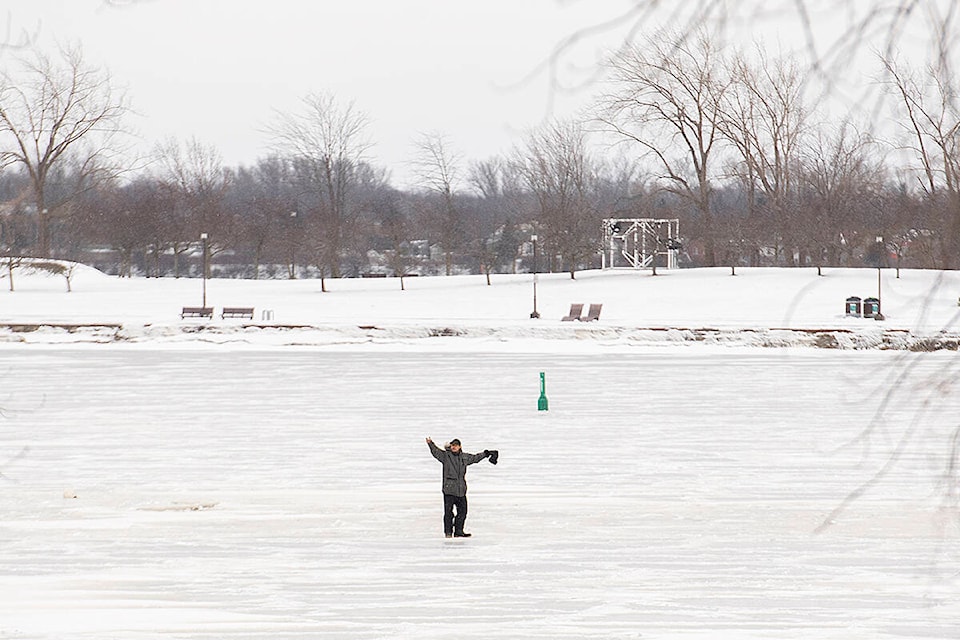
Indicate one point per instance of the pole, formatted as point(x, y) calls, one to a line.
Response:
point(203, 237)
point(879, 265)
point(293, 249)
point(542, 403)
point(535, 313)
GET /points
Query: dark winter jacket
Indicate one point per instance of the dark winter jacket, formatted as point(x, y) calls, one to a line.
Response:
point(455, 468)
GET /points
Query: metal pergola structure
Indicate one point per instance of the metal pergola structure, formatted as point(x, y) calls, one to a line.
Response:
point(636, 242)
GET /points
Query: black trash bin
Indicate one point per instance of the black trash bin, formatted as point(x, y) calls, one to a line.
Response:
point(871, 307)
point(853, 307)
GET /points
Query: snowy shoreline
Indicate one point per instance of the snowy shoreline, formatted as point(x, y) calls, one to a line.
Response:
point(760, 307)
point(279, 335)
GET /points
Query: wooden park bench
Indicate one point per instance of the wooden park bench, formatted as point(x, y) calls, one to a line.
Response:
point(575, 310)
point(196, 312)
point(593, 313)
point(237, 312)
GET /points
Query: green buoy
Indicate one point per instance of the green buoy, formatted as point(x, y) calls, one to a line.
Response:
point(542, 401)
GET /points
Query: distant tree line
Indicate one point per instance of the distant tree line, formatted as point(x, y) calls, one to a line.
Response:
point(728, 142)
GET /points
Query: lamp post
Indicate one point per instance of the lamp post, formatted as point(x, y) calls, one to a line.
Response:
point(293, 246)
point(203, 238)
point(535, 313)
point(41, 233)
point(879, 264)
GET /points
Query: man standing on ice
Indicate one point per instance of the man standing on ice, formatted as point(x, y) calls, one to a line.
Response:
point(455, 463)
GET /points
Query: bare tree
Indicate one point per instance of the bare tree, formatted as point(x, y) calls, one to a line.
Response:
point(668, 102)
point(52, 113)
point(194, 173)
point(393, 222)
point(557, 168)
point(932, 120)
point(841, 179)
point(493, 224)
point(438, 167)
point(268, 222)
point(764, 118)
point(328, 143)
point(502, 192)
point(123, 217)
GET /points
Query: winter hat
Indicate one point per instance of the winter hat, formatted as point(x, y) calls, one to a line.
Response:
point(455, 441)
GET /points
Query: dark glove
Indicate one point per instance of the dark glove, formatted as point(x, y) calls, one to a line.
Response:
point(493, 456)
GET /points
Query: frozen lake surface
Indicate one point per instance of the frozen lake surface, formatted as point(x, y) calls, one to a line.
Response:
point(287, 493)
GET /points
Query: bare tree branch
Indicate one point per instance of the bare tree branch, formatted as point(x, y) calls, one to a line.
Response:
point(51, 112)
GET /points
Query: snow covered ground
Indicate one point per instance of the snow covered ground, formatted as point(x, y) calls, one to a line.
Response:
point(696, 305)
point(168, 480)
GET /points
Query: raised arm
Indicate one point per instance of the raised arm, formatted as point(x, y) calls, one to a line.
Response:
point(435, 451)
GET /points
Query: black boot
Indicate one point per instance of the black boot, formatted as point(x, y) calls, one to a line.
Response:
point(461, 534)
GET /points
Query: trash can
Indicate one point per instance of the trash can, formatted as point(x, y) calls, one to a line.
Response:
point(871, 307)
point(853, 306)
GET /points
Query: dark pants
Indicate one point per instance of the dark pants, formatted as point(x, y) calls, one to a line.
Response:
point(453, 523)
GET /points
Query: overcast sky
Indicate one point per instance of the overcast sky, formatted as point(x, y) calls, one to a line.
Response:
point(217, 69)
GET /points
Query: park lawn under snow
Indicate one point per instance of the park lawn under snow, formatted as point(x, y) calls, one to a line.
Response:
point(680, 305)
point(197, 484)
